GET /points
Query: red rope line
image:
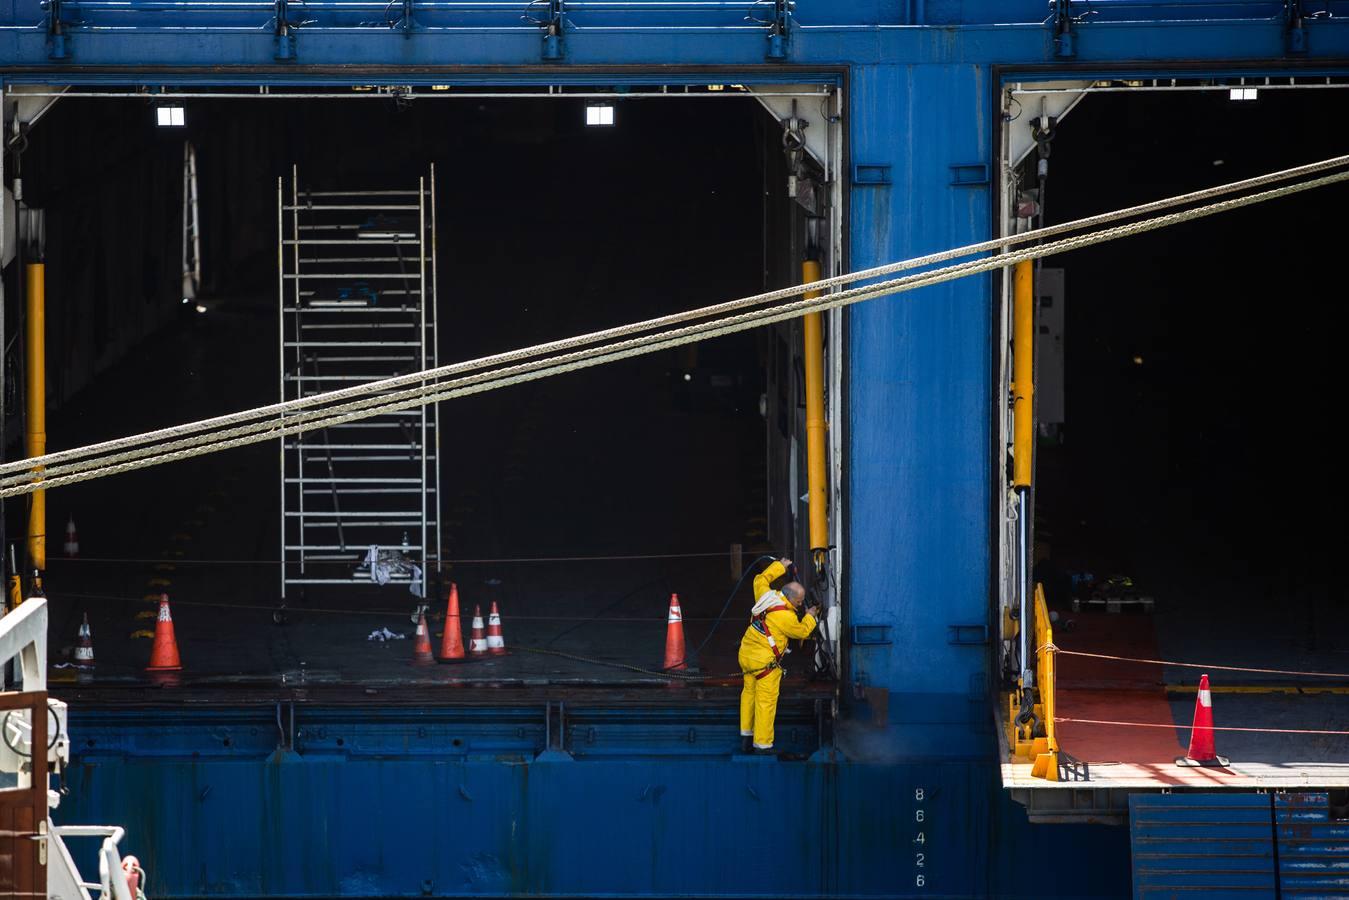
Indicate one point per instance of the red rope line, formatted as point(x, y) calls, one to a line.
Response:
point(1211, 727)
point(1167, 662)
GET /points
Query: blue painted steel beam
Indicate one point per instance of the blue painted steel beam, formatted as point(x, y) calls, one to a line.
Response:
point(399, 821)
point(1013, 45)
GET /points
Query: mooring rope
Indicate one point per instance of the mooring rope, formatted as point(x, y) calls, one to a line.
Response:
point(195, 439)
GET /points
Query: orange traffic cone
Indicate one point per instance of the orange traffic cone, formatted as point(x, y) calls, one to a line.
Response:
point(72, 544)
point(674, 636)
point(477, 644)
point(452, 644)
point(1202, 752)
point(164, 655)
point(84, 647)
point(421, 644)
point(496, 642)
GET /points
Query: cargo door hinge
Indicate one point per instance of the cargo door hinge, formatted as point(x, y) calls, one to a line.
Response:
point(553, 25)
point(1065, 40)
point(405, 22)
point(58, 42)
point(779, 27)
point(1295, 27)
point(285, 33)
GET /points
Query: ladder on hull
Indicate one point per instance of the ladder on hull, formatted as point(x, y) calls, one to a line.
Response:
point(357, 297)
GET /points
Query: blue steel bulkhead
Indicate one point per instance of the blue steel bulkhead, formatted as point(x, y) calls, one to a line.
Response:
point(920, 77)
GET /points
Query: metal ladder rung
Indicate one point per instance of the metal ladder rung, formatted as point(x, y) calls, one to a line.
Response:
point(362, 359)
point(402, 193)
point(363, 379)
point(353, 580)
point(350, 207)
point(353, 481)
point(383, 393)
point(402, 414)
point(350, 275)
point(364, 233)
point(411, 448)
point(376, 308)
point(345, 242)
point(381, 326)
point(351, 260)
point(302, 344)
point(324, 515)
point(316, 459)
point(307, 394)
point(356, 549)
point(327, 492)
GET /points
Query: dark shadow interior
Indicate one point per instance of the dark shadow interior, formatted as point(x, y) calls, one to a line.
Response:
point(1198, 454)
point(547, 228)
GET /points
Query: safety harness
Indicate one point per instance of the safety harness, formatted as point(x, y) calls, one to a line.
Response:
point(760, 624)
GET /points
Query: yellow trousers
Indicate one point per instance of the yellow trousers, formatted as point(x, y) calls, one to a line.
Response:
point(759, 706)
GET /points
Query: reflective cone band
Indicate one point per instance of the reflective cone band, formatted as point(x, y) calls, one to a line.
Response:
point(1202, 751)
point(477, 643)
point(674, 636)
point(496, 643)
point(421, 645)
point(452, 644)
point(164, 655)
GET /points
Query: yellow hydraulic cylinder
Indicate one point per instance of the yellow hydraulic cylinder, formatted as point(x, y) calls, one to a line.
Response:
point(1023, 374)
point(817, 483)
point(36, 411)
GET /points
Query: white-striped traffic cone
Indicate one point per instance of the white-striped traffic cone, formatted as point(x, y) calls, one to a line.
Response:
point(477, 643)
point(496, 641)
point(84, 647)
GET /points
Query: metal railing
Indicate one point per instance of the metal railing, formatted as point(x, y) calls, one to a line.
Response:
point(1032, 706)
point(1045, 760)
point(112, 881)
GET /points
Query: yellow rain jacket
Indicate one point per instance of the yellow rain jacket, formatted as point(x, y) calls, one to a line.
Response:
point(759, 699)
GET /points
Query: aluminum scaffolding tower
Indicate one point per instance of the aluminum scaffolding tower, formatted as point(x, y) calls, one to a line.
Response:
point(357, 297)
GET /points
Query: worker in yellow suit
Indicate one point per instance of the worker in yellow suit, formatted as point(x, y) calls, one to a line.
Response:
point(772, 621)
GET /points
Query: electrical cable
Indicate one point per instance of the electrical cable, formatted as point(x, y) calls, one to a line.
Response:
point(1180, 727)
point(1166, 662)
point(725, 607)
point(25, 469)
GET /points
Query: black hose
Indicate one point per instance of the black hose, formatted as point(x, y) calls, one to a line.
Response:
point(735, 590)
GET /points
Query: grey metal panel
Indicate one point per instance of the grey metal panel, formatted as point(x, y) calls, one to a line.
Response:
point(1220, 844)
point(1313, 847)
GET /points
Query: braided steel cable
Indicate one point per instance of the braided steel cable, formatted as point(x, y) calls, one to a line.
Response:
point(114, 463)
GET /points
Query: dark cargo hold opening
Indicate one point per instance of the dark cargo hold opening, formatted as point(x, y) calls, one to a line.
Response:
point(1193, 463)
point(578, 504)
